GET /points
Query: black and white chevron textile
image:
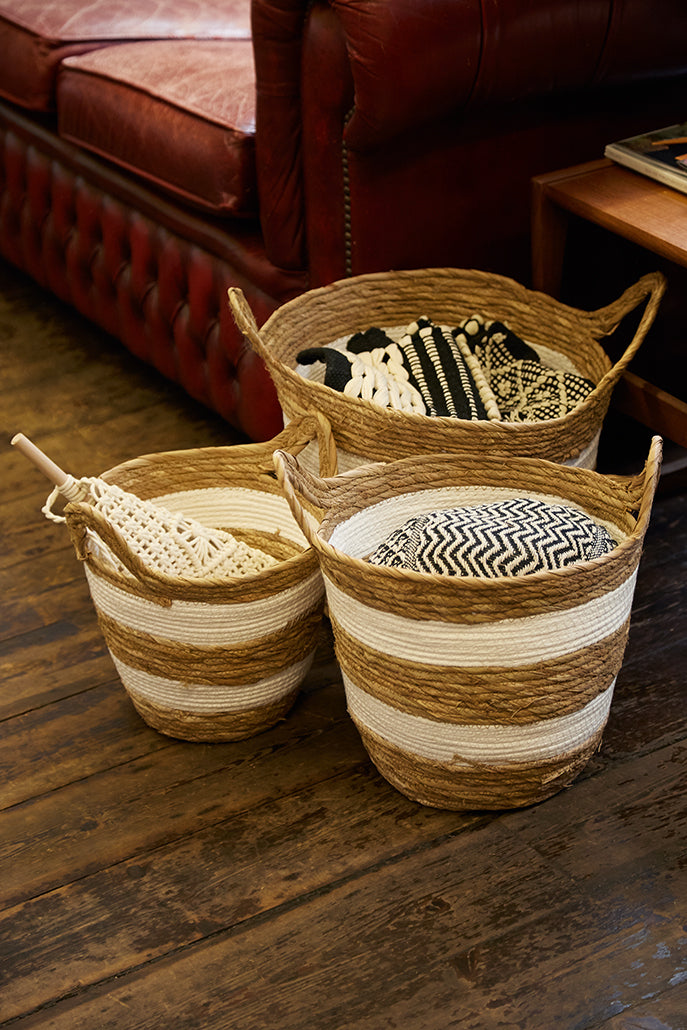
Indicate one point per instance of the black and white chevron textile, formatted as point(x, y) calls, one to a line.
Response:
point(505, 538)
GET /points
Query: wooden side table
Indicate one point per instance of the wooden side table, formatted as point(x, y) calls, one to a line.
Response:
point(634, 207)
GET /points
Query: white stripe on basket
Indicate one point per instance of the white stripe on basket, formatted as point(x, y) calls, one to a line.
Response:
point(360, 534)
point(507, 642)
point(448, 742)
point(203, 698)
point(197, 622)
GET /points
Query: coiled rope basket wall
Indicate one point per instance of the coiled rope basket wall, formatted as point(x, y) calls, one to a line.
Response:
point(211, 659)
point(364, 432)
point(471, 692)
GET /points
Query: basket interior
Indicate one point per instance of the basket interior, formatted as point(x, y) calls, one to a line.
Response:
point(561, 334)
point(359, 534)
point(240, 511)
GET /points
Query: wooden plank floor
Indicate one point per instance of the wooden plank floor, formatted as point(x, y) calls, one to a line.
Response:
point(281, 882)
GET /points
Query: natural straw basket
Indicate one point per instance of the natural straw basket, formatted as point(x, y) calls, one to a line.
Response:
point(472, 692)
point(209, 659)
point(365, 432)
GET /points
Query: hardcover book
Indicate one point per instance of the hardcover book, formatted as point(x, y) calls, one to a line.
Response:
point(661, 155)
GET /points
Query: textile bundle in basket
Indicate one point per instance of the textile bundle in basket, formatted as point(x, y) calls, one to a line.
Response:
point(220, 657)
point(568, 338)
point(473, 692)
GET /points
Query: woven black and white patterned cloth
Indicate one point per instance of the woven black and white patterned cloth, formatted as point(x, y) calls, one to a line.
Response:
point(479, 370)
point(504, 538)
point(377, 374)
point(425, 371)
point(438, 369)
point(524, 388)
point(527, 391)
point(493, 343)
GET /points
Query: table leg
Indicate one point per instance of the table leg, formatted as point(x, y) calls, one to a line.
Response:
point(549, 233)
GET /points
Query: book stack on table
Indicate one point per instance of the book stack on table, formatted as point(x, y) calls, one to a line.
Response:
point(662, 155)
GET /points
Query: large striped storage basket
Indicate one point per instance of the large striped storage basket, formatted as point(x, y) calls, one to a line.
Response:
point(218, 658)
point(473, 692)
point(569, 338)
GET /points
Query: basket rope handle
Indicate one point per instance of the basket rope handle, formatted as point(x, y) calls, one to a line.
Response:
point(299, 433)
point(245, 321)
point(647, 482)
point(296, 483)
point(653, 286)
point(84, 523)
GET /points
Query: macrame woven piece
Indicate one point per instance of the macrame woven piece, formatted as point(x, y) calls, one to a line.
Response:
point(378, 375)
point(525, 389)
point(440, 372)
point(172, 544)
point(424, 372)
point(505, 538)
point(479, 370)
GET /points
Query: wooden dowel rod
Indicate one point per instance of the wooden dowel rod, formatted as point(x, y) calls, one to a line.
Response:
point(42, 462)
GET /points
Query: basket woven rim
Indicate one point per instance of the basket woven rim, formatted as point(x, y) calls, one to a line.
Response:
point(244, 466)
point(643, 483)
point(589, 320)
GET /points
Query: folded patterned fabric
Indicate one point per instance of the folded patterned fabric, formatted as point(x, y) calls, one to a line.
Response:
point(528, 391)
point(493, 343)
point(439, 370)
point(505, 538)
point(338, 365)
point(368, 340)
point(525, 389)
point(425, 372)
point(480, 370)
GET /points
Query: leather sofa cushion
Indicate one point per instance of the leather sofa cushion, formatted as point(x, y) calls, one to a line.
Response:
point(180, 114)
point(36, 35)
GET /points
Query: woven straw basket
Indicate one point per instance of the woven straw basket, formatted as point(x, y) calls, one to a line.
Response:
point(365, 432)
point(210, 659)
point(472, 692)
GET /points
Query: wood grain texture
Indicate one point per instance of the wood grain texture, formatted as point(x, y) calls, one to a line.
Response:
point(280, 881)
point(649, 216)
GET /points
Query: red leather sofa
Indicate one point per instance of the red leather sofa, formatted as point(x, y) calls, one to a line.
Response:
point(155, 153)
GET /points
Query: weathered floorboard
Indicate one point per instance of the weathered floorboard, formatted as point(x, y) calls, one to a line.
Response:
point(280, 881)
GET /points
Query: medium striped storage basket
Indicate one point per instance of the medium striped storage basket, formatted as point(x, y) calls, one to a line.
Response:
point(364, 432)
point(472, 692)
point(210, 659)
